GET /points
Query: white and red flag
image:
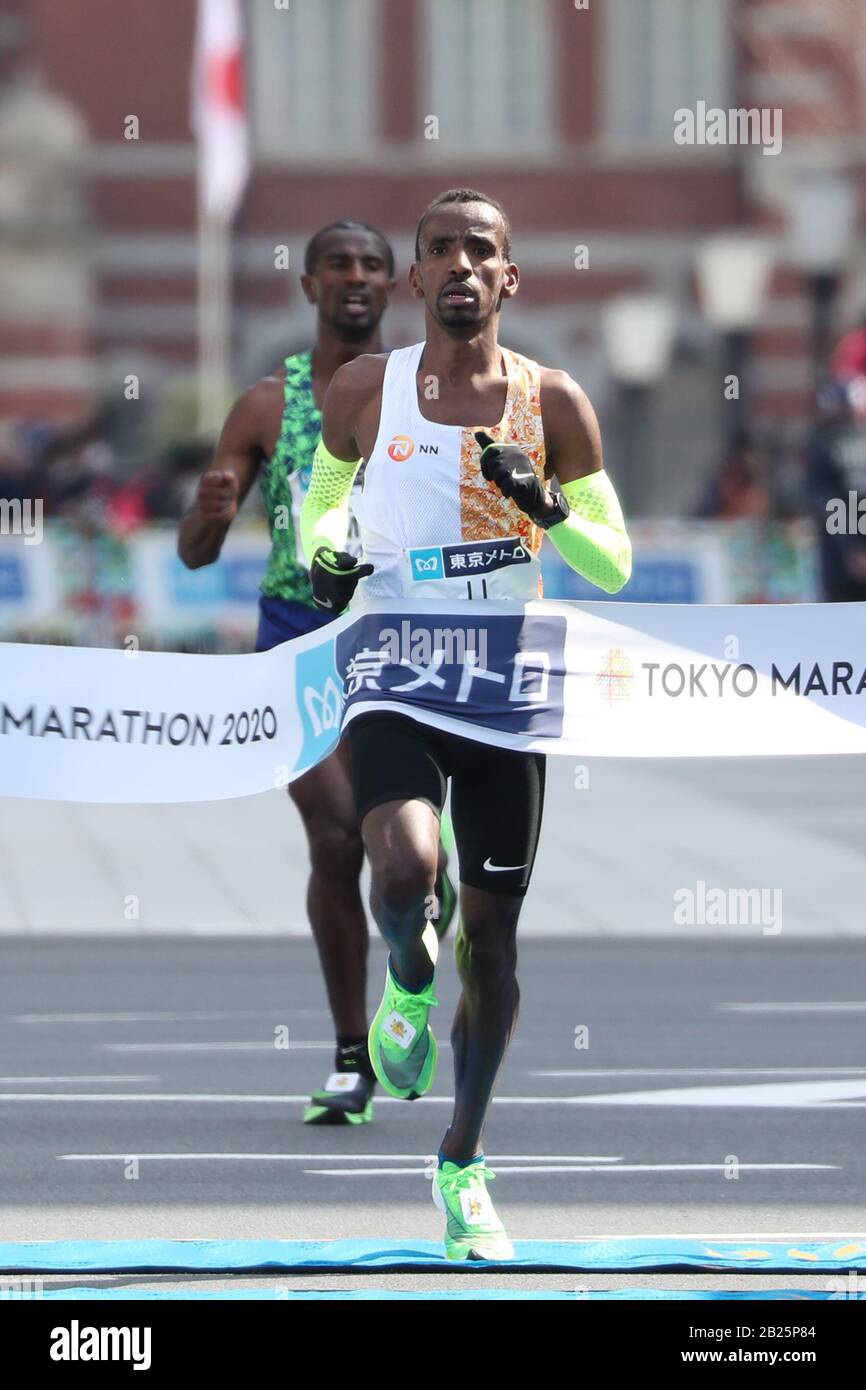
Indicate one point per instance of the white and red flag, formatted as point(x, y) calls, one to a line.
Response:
point(219, 114)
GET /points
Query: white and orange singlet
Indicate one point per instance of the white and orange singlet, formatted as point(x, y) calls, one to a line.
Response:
point(430, 523)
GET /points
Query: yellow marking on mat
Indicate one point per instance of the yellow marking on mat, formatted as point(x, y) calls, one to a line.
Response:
point(738, 1254)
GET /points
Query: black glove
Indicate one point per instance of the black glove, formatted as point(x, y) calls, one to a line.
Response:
point(334, 575)
point(512, 472)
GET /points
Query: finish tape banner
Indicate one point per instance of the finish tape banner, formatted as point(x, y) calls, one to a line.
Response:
point(602, 679)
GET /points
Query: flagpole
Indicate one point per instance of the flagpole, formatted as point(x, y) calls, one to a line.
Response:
point(214, 319)
point(220, 123)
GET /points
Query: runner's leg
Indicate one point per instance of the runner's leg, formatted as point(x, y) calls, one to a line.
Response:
point(486, 1013)
point(324, 799)
point(497, 798)
point(402, 839)
point(399, 792)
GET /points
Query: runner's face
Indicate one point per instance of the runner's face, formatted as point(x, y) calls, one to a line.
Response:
point(350, 283)
point(463, 274)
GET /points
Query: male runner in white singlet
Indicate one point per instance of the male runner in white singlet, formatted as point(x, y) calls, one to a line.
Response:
point(465, 462)
point(271, 433)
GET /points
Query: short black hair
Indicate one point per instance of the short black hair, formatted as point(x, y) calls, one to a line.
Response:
point(344, 224)
point(464, 195)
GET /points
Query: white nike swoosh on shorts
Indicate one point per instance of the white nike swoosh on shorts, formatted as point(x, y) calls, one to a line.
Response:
point(502, 868)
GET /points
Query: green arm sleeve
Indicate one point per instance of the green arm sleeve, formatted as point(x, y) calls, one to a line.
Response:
point(592, 539)
point(325, 512)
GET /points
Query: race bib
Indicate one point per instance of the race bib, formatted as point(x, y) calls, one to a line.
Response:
point(502, 567)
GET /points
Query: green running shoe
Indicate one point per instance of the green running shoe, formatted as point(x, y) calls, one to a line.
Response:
point(402, 1046)
point(346, 1099)
point(473, 1231)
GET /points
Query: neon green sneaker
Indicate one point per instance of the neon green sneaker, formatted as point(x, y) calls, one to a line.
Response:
point(402, 1046)
point(473, 1231)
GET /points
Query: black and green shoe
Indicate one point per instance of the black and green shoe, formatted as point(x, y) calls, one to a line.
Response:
point(402, 1047)
point(346, 1099)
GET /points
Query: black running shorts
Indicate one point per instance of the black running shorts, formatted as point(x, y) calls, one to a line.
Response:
point(496, 795)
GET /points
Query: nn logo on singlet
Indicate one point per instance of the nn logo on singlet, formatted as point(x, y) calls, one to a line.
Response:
point(402, 447)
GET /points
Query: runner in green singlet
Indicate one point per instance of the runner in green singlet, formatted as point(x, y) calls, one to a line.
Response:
point(271, 432)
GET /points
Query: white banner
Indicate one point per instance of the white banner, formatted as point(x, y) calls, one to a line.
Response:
point(602, 679)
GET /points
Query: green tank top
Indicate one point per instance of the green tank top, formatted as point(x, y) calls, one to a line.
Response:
point(285, 479)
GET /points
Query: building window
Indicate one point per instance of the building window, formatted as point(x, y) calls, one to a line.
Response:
point(660, 55)
point(486, 75)
point(312, 78)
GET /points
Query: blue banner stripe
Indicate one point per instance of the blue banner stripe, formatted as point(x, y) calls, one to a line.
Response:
point(485, 1295)
point(652, 1254)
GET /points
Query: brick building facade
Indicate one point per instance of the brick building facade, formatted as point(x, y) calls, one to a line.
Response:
point(561, 109)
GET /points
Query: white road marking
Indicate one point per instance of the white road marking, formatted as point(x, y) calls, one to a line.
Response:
point(248, 1046)
point(578, 1072)
point(796, 1094)
point(340, 1157)
point(186, 1098)
point(265, 1045)
point(235, 1098)
point(63, 1080)
point(825, 1095)
point(267, 1098)
point(194, 1016)
point(833, 1006)
point(573, 1168)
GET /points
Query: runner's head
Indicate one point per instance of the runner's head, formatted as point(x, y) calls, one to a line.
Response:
point(463, 268)
point(348, 275)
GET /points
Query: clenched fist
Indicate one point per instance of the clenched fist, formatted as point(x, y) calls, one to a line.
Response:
point(217, 498)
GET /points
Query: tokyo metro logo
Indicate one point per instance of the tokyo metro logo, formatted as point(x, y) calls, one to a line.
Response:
point(319, 696)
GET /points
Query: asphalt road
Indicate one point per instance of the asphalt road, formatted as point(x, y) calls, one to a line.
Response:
point(719, 1093)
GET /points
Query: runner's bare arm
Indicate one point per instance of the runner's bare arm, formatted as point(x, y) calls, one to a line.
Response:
point(571, 433)
point(352, 395)
point(224, 485)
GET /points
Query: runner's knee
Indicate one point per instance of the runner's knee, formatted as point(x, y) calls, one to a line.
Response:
point(336, 849)
point(404, 881)
point(486, 952)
